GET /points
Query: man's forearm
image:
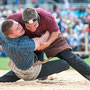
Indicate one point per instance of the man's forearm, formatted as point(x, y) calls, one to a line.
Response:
point(45, 36)
point(52, 37)
point(37, 42)
point(41, 45)
point(41, 39)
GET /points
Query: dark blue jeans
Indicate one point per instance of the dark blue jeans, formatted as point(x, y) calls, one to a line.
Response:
point(40, 55)
point(76, 62)
point(47, 69)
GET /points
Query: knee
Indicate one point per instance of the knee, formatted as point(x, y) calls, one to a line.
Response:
point(66, 65)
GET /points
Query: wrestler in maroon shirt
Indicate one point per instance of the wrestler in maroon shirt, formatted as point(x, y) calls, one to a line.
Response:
point(46, 22)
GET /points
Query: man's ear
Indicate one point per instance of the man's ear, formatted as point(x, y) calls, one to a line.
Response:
point(11, 36)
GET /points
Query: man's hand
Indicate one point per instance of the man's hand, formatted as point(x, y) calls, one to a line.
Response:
point(43, 46)
point(45, 40)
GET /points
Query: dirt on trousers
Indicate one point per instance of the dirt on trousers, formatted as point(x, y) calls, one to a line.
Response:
point(66, 80)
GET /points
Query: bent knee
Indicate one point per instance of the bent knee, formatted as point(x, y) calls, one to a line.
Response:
point(65, 64)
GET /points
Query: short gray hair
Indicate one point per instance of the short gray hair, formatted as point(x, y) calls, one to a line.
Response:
point(29, 14)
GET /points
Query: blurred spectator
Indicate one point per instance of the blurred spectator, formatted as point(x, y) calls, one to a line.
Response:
point(40, 1)
point(78, 26)
point(5, 2)
point(81, 37)
point(6, 11)
point(34, 1)
point(88, 9)
point(57, 16)
point(18, 2)
point(22, 1)
point(74, 42)
point(66, 4)
point(1, 2)
point(57, 1)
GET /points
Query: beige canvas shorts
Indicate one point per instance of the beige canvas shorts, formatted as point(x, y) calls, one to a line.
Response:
point(30, 74)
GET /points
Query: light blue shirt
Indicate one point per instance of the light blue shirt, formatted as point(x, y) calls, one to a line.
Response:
point(19, 50)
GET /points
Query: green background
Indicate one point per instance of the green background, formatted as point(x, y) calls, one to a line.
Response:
point(4, 62)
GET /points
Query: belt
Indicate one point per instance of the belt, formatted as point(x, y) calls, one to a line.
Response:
point(38, 63)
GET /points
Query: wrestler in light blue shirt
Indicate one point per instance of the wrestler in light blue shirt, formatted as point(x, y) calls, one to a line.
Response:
point(19, 50)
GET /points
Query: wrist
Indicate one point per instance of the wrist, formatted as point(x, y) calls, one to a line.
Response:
point(48, 43)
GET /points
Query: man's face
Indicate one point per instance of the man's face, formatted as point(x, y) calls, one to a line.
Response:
point(17, 30)
point(32, 26)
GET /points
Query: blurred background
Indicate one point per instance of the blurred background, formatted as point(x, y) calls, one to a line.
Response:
point(72, 16)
